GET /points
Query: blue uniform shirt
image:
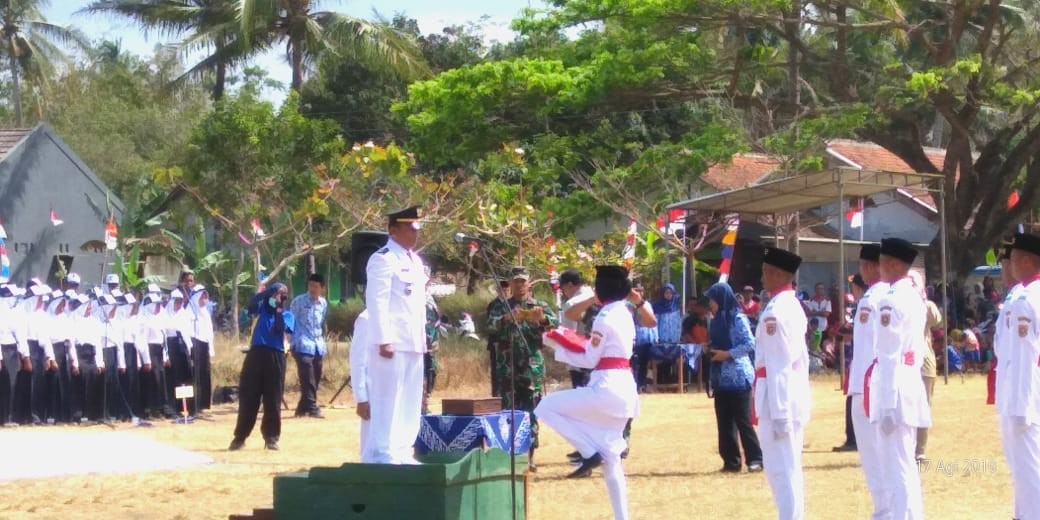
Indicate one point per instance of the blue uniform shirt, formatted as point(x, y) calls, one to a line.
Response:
point(271, 325)
point(309, 339)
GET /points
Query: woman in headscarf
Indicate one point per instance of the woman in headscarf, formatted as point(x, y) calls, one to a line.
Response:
point(202, 346)
point(668, 310)
point(732, 342)
point(153, 326)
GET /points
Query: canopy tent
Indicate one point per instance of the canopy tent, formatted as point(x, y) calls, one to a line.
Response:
point(814, 190)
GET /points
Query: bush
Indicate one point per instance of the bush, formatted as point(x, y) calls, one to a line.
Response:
point(341, 317)
point(453, 306)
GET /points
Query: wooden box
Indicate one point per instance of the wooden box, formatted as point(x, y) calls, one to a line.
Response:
point(475, 406)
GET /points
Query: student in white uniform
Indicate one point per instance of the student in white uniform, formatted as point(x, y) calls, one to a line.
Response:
point(88, 365)
point(1019, 380)
point(783, 400)
point(153, 333)
point(60, 334)
point(15, 352)
point(135, 353)
point(592, 418)
point(106, 313)
point(202, 346)
point(38, 328)
point(895, 396)
point(360, 350)
point(179, 331)
point(396, 301)
point(863, 322)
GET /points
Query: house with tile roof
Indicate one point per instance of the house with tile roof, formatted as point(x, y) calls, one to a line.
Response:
point(53, 207)
point(909, 213)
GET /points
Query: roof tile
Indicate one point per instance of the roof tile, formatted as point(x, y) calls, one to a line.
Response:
point(744, 170)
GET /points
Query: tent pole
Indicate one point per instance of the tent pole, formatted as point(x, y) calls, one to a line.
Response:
point(841, 276)
point(945, 277)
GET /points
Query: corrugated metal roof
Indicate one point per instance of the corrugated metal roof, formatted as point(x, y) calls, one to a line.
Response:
point(9, 139)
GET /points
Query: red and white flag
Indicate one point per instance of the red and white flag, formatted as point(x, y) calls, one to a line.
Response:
point(855, 214)
point(257, 230)
point(676, 220)
point(630, 244)
point(111, 234)
point(55, 221)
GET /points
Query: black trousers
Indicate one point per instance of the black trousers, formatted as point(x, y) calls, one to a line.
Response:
point(180, 371)
point(114, 404)
point(12, 362)
point(89, 396)
point(309, 369)
point(850, 433)
point(262, 381)
point(39, 391)
point(642, 354)
point(733, 415)
point(153, 385)
point(580, 377)
point(60, 389)
point(202, 374)
point(130, 382)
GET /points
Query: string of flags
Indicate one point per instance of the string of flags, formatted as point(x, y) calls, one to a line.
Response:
point(729, 241)
point(5, 262)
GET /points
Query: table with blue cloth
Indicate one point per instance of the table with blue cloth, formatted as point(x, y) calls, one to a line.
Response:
point(452, 433)
point(670, 352)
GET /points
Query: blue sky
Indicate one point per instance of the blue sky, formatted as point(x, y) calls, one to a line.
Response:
point(432, 16)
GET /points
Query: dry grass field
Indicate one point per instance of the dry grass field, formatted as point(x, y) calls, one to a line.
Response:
point(672, 471)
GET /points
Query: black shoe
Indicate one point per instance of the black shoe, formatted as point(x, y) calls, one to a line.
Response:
point(532, 467)
point(844, 448)
point(754, 467)
point(730, 469)
point(587, 466)
point(236, 445)
point(574, 457)
point(624, 454)
point(316, 415)
point(271, 445)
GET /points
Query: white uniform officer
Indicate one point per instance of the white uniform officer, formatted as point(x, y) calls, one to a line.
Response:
point(895, 396)
point(863, 356)
point(396, 301)
point(592, 418)
point(782, 395)
point(1018, 379)
point(360, 351)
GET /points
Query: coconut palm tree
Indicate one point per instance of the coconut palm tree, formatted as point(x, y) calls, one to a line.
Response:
point(307, 33)
point(32, 45)
point(211, 25)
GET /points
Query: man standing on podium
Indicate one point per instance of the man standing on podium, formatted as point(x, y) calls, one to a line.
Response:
point(783, 399)
point(396, 303)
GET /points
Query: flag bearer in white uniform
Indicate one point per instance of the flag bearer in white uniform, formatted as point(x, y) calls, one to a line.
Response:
point(592, 418)
point(360, 351)
point(782, 396)
point(862, 357)
point(1018, 380)
point(895, 395)
point(396, 302)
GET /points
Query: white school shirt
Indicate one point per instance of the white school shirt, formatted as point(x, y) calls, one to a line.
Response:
point(896, 383)
point(1020, 367)
point(1001, 336)
point(396, 298)
point(783, 394)
point(360, 345)
point(863, 336)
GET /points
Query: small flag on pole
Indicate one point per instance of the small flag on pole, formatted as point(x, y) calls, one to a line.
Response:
point(630, 244)
point(855, 214)
point(676, 220)
point(257, 230)
point(111, 234)
point(55, 221)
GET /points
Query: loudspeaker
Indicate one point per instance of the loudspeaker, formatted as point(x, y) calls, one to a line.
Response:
point(363, 245)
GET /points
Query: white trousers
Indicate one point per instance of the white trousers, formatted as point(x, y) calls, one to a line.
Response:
point(899, 470)
point(870, 458)
point(782, 463)
point(395, 399)
point(365, 439)
point(583, 422)
point(1022, 449)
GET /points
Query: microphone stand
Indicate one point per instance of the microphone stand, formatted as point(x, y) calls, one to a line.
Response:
point(512, 379)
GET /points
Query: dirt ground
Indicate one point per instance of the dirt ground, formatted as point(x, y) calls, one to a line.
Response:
point(672, 472)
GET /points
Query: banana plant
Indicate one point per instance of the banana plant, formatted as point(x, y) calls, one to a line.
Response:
point(128, 266)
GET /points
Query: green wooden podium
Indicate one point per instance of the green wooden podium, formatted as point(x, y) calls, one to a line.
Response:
point(446, 486)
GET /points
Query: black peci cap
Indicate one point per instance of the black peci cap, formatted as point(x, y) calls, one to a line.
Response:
point(870, 252)
point(899, 249)
point(781, 259)
point(1026, 243)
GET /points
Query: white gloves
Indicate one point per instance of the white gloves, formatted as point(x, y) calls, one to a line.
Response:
point(781, 428)
point(888, 422)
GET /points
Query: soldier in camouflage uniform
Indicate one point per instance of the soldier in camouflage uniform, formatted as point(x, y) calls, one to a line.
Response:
point(433, 336)
point(534, 317)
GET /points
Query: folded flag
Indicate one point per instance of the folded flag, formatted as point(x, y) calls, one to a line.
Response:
point(565, 338)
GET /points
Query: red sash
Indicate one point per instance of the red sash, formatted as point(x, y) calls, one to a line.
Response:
point(613, 363)
point(908, 360)
point(991, 383)
point(759, 372)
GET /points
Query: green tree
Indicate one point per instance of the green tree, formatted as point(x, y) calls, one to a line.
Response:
point(307, 34)
point(203, 24)
point(32, 46)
